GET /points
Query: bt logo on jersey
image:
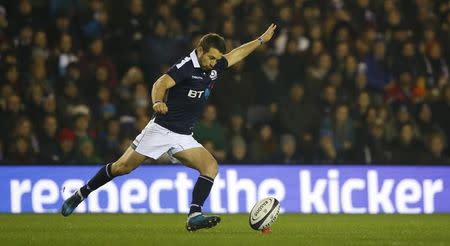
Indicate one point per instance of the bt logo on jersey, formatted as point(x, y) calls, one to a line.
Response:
point(195, 94)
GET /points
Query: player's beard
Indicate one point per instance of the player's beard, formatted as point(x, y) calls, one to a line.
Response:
point(206, 68)
point(203, 65)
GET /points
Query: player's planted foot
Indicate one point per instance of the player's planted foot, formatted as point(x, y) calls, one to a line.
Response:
point(71, 203)
point(198, 221)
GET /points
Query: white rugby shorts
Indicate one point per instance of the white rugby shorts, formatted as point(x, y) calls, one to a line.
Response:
point(155, 140)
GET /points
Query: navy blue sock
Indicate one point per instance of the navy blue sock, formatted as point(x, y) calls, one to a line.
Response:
point(200, 193)
point(102, 177)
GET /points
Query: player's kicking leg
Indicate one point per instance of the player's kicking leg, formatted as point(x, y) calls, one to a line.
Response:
point(129, 161)
point(200, 159)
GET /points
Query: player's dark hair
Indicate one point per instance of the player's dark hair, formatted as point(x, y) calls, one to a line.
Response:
point(212, 40)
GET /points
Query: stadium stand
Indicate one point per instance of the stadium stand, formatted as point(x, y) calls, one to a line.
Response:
point(344, 81)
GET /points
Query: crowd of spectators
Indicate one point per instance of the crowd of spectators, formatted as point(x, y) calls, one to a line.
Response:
point(343, 81)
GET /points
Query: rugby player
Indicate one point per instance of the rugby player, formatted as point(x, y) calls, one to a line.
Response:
point(178, 97)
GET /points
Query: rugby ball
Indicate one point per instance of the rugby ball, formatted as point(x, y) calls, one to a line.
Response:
point(264, 213)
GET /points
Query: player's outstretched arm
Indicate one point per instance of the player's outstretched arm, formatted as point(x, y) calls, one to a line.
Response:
point(159, 91)
point(244, 50)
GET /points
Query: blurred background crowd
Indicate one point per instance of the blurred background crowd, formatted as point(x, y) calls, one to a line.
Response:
point(344, 81)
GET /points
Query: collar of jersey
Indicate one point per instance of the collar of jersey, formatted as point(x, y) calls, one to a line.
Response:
point(194, 59)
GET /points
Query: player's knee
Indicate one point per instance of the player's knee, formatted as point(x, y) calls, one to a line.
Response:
point(211, 169)
point(121, 168)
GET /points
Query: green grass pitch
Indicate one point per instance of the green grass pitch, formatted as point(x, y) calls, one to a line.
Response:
point(162, 229)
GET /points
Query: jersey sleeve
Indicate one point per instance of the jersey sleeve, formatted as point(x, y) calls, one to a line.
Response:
point(221, 64)
point(179, 71)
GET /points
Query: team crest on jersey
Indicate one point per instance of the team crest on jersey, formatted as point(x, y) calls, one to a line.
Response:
point(213, 75)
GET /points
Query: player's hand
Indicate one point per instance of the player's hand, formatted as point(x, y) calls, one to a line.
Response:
point(160, 108)
point(267, 35)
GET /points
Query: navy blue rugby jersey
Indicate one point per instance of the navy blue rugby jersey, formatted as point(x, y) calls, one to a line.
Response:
point(187, 99)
